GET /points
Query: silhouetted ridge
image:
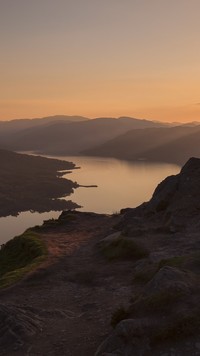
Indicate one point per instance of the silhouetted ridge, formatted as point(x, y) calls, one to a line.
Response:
point(161, 144)
point(175, 204)
point(69, 136)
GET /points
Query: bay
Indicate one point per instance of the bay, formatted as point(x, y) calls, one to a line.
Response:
point(120, 184)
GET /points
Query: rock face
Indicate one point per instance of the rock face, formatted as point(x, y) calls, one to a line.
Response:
point(180, 193)
point(163, 317)
point(174, 206)
point(17, 324)
point(129, 338)
point(168, 279)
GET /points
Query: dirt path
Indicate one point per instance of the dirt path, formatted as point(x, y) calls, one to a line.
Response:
point(74, 292)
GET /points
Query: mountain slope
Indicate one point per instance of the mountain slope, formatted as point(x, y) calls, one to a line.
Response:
point(72, 137)
point(21, 124)
point(174, 144)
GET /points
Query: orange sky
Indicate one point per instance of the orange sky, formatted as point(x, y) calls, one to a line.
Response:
point(94, 58)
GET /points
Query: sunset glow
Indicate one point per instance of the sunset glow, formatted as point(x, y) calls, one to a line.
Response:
point(137, 58)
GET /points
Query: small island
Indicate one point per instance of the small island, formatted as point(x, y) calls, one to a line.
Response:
point(33, 183)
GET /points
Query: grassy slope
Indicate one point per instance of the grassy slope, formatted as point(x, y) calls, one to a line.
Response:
point(19, 256)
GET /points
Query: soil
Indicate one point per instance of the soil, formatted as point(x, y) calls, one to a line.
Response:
point(73, 293)
point(65, 306)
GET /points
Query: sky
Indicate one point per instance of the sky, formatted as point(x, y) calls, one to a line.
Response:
point(138, 58)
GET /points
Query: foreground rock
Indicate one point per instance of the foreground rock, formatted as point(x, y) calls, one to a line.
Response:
point(119, 285)
point(162, 316)
point(17, 325)
point(174, 206)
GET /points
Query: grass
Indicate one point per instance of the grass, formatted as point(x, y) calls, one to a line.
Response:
point(190, 261)
point(177, 262)
point(122, 248)
point(184, 262)
point(19, 256)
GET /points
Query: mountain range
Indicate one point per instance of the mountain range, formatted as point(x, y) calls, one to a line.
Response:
point(171, 144)
point(122, 138)
point(66, 135)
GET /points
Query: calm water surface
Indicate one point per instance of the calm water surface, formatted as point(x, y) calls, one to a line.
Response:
point(121, 184)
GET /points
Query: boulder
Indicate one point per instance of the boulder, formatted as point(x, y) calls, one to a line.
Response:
point(168, 278)
point(128, 339)
point(17, 324)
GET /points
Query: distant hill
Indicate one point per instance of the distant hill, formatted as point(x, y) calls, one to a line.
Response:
point(67, 137)
point(33, 183)
point(172, 144)
point(25, 123)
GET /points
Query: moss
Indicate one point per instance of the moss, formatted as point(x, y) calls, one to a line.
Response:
point(190, 262)
point(122, 248)
point(177, 261)
point(19, 256)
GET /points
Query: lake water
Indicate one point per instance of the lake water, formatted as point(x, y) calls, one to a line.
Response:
point(121, 184)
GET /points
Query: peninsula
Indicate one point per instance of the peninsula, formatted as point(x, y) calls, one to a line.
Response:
point(33, 183)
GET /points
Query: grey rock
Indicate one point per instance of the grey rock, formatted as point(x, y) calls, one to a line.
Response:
point(17, 324)
point(110, 238)
point(128, 339)
point(168, 278)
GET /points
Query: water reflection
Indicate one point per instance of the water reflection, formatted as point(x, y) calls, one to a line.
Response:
point(15, 225)
point(121, 184)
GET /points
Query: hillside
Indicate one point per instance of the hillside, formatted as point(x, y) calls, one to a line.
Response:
point(173, 144)
point(68, 138)
point(21, 124)
point(33, 183)
point(124, 284)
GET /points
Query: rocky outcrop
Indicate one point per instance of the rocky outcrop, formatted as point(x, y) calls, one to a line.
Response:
point(17, 324)
point(129, 338)
point(169, 279)
point(163, 314)
point(174, 206)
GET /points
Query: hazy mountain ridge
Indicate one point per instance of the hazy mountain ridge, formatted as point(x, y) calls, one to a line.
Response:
point(123, 138)
point(71, 137)
point(20, 124)
point(171, 144)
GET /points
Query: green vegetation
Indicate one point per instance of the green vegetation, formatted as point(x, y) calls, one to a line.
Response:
point(177, 261)
point(122, 248)
point(19, 256)
point(190, 261)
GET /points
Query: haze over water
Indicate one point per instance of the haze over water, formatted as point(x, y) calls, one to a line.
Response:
point(121, 184)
